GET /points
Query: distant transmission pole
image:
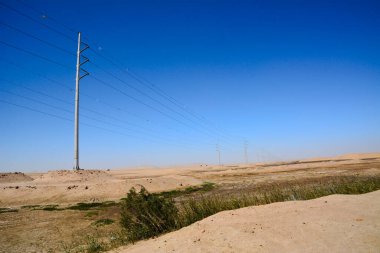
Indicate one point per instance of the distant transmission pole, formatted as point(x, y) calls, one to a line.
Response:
point(246, 151)
point(218, 150)
point(77, 79)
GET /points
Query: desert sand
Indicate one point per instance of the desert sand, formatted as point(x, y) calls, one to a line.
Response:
point(335, 223)
point(331, 224)
point(68, 187)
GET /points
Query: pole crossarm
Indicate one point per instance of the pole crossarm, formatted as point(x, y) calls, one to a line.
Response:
point(85, 60)
point(85, 47)
point(86, 73)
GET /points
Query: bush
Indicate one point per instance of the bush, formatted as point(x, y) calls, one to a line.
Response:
point(144, 215)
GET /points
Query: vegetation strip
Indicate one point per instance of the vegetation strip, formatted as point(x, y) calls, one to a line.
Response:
point(145, 215)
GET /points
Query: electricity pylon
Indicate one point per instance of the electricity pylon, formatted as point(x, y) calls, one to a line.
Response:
point(218, 150)
point(246, 152)
point(77, 79)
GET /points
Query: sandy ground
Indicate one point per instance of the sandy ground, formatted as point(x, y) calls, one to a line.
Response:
point(350, 217)
point(68, 187)
point(335, 223)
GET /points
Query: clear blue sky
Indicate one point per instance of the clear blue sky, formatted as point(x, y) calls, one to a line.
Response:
point(294, 79)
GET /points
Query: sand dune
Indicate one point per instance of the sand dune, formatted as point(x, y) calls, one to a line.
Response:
point(337, 223)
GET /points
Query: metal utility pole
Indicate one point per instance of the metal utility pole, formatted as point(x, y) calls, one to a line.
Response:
point(77, 79)
point(246, 151)
point(218, 150)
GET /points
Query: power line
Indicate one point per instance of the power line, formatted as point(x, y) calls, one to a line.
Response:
point(37, 74)
point(36, 91)
point(36, 38)
point(157, 101)
point(150, 97)
point(45, 16)
point(157, 90)
point(35, 55)
point(85, 124)
point(145, 133)
point(36, 101)
point(140, 101)
point(135, 99)
point(97, 100)
point(37, 21)
point(35, 110)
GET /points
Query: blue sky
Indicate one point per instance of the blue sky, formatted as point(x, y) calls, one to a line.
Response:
point(294, 79)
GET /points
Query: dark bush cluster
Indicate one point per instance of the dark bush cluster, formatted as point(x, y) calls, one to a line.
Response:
point(145, 215)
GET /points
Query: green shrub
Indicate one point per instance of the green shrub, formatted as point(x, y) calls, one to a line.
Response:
point(145, 215)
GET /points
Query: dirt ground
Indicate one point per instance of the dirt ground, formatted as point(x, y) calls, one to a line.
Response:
point(28, 230)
